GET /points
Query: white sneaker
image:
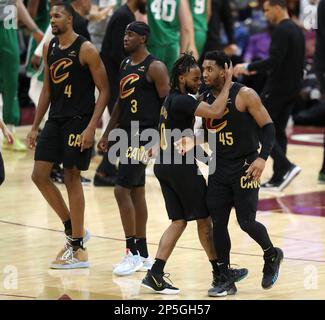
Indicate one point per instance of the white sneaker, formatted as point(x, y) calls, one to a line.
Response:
point(130, 264)
point(71, 260)
point(147, 263)
point(68, 239)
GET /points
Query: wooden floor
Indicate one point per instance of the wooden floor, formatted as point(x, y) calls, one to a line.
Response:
point(31, 235)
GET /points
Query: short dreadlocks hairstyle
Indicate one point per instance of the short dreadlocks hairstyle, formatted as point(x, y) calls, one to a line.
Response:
point(181, 66)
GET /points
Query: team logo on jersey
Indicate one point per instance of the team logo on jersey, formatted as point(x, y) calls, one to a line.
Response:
point(57, 70)
point(126, 82)
point(214, 126)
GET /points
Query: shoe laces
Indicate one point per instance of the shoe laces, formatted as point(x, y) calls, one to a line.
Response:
point(128, 258)
point(68, 241)
point(68, 254)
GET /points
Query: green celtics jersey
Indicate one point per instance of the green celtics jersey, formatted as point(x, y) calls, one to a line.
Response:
point(199, 14)
point(5, 10)
point(42, 18)
point(163, 20)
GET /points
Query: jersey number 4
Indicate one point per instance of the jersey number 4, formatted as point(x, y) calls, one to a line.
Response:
point(68, 90)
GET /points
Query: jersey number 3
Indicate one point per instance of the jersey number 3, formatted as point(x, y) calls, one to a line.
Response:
point(134, 106)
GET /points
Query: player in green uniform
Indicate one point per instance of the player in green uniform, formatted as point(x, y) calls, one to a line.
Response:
point(39, 11)
point(201, 11)
point(171, 27)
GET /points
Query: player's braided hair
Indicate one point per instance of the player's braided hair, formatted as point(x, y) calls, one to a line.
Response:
point(181, 66)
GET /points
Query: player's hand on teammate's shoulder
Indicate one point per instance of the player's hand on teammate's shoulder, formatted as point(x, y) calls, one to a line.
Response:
point(31, 138)
point(255, 169)
point(102, 144)
point(87, 139)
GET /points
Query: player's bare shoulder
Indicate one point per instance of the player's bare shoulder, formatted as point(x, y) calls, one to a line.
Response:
point(157, 67)
point(88, 52)
point(246, 98)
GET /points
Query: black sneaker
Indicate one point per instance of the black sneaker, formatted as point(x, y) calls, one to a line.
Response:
point(271, 269)
point(157, 283)
point(289, 176)
point(101, 181)
point(222, 285)
point(238, 274)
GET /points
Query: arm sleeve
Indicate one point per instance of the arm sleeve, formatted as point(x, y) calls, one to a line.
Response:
point(278, 50)
point(268, 138)
point(186, 105)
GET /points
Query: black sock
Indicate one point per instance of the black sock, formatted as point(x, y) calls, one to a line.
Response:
point(269, 252)
point(215, 266)
point(67, 227)
point(141, 244)
point(158, 266)
point(77, 243)
point(130, 244)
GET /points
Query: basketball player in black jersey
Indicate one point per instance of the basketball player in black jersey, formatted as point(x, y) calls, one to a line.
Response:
point(72, 69)
point(184, 190)
point(236, 179)
point(144, 83)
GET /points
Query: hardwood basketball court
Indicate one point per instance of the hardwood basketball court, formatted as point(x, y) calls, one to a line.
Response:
point(31, 235)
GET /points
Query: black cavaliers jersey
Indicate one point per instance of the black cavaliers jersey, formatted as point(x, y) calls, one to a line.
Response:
point(72, 87)
point(177, 113)
point(139, 99)
point(236, 133)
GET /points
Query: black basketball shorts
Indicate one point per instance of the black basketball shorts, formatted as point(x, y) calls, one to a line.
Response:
point(60, 141)
point(134, 158)
point(184, 191)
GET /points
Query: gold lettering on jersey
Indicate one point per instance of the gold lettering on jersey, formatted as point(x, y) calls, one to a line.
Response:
point(163, 112)
point(74, 140)
point(214, 128)
point(248, 184)
point(57, 70)
point(137, 154)
point(128, 80)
